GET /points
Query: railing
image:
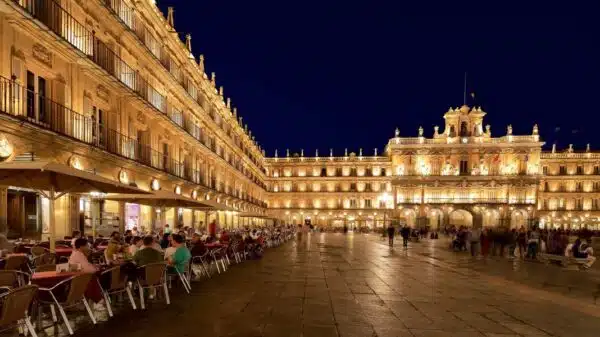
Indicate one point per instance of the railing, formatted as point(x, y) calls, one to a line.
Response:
point(40, 111)
point(126, 14)
point(451, 200)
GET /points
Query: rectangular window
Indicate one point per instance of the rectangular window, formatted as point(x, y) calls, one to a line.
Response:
point(562, 170)
point(545, 170)
point(30, 95)
point(579, 169)
point(464, 167)
point(42, 99)
point(368, 203)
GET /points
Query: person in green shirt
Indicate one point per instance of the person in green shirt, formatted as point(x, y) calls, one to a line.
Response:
point(147, 254)
point(181, 258)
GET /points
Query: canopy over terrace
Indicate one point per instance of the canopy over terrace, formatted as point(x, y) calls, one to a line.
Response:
point(166, 199)
point(53, 180)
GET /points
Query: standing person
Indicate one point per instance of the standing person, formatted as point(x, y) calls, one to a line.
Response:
point(474, 238)
point(167, 229)
point(299, 233)
point(533, 244)
point(405, 232)
point(512, 243)
point(212, 229)
point(522, 241)
point(485, 242)
point(390, 232)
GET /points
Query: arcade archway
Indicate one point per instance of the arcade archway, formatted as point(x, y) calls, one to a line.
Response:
point(461, 217)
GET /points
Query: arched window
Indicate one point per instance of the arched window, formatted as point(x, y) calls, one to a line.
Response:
point(463, 129)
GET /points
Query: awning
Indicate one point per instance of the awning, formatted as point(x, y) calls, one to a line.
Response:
point(160, 198)
point(53, 180)
point(44, 176)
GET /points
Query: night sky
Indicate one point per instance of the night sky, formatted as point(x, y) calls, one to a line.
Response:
point(337, 76)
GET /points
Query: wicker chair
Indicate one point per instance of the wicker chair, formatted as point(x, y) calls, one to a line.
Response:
point(118, 283)
point(203, 262)
point(16, 262)
point(14, 306)
point(152, 276)
point(10, 279)
point(219, 255)
point(40, 260)
point(77, 286)
point(38, 250)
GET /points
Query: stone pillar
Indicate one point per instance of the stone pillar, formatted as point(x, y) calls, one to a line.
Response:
point(177, 221)
point(122, 219)
point(3, 209)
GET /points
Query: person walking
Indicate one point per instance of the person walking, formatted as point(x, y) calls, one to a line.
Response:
point(390, 232)
point(405, 232)
point(474, 238)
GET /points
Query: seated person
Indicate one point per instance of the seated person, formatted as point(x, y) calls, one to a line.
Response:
point(181, 258)
point(136, 243)
point(78, 256)
point(147, 254)
point(198, 248)
point(114, 247)
point(170, 250)
point(224, 237)
point(589, 254)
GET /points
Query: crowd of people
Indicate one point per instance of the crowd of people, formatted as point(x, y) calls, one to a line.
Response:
point(522, 243)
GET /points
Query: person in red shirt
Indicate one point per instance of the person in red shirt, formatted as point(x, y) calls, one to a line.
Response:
point(224, 236)
point(212, 228)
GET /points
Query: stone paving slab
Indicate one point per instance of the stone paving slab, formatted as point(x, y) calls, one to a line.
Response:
point(354, 285)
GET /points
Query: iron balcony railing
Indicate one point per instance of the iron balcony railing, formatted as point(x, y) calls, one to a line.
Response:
point(58, 20)
point(28, 106)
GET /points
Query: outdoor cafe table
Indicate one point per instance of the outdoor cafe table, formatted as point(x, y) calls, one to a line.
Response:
point(63, 252)
point(214, 245)
point(49, 279)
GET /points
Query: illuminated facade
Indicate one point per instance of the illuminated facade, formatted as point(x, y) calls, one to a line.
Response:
point(460, 175)
point(108, 87)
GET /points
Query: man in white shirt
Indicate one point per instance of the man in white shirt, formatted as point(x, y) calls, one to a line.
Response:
point(79, 258)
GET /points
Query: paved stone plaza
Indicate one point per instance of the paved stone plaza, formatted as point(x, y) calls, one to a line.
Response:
point(353, 285)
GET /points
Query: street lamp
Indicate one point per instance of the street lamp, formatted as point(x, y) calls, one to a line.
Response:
point(385, 197)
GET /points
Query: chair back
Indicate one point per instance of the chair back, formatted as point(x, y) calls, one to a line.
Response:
point(45, 267)
point(9, 278)
point(38, 250)
point(15, 262)
point(154, 273)
point(77, 288)
point(46, 258)
point(118, 280)
point(15, 304)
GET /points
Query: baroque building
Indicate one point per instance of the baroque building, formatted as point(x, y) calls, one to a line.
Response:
point(110, 88)
point(460, 176)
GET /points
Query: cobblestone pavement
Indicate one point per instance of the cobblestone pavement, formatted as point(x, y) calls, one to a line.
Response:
point(354, 285)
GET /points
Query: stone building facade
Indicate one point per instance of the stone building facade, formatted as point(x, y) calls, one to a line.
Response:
point(109, 87)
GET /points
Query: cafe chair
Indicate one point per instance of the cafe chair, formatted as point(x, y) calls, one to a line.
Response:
point(40, 260)
point(202, 263)
point(218, 256)
point(14, 306)
point(152, 276)
point(13, 278)
point(184, 277)
point(16, 262)
point(76, 286)
point(38, 251)
point(117, 284)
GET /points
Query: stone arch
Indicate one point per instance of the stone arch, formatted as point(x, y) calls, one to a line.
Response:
point(461, 217)
point(491, 218)
point(435, 218)
point(518, 218)
point(409, 216)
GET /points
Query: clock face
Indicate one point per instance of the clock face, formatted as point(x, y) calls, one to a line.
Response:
point(124, 177)
point(6, 149)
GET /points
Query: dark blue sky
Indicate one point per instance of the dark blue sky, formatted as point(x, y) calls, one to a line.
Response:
point(340, 76)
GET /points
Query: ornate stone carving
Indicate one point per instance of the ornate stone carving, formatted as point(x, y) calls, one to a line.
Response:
point(140, 117)
point(102, 93)
point(42, 54)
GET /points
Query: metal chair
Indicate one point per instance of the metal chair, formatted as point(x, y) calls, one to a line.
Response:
point(13, 278)
point(37, 251)
point(16, 262)
point(44, 259)
point(204, 262)
point(218, 256)
point(117, 283)
point(152, 276)
point(15, 305)
point(77, 286)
